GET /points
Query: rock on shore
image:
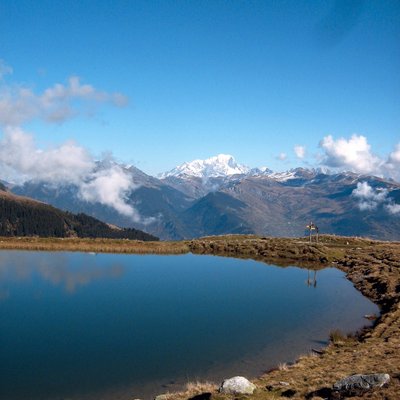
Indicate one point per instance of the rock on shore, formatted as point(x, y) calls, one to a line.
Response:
point(357, 385)
point(237, 385)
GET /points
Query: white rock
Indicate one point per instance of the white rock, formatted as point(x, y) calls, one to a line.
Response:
point(237, 385)
point(162, 397)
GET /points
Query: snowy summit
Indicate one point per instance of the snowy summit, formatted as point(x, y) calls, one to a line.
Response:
point(218, 166)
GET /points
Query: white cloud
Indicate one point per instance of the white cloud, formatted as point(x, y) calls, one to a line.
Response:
point(353, 154)
point(300, 151)
point(110, 187)
point(394, 157)
point(67, 164)
point(56, 104)
point(370, 198)
point(4, 69)
point(391, 167)
point(393, 208)
point(282, 156)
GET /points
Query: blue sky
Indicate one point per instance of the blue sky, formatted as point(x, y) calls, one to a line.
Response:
point(248, 78)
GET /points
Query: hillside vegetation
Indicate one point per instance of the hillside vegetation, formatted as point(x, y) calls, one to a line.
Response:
point(21, 216)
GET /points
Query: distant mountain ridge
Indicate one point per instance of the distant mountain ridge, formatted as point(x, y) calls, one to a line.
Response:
point(225, 165)
point(218, 195)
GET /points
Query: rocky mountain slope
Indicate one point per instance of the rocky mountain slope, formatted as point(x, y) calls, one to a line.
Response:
point(218, 195)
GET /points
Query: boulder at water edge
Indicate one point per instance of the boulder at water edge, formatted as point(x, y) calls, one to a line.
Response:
point(356, 385)
point(237, 385)
point(162, 397)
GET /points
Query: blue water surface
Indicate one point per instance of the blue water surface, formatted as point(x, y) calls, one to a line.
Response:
point(106, 326)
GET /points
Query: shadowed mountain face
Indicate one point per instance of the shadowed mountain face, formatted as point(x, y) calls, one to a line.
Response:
point(159, 205)
point(216, 213)
point(22, 216)
point(284, 208)
point(259, 201)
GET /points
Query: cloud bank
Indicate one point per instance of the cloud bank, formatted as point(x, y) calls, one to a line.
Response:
point(67, 164)
point(370, 199)
point(21, 160)
point(19, 104)
point(355, 155)
point(110, 187)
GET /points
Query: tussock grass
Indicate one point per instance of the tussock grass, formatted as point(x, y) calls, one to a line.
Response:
point(283, 367)
point(336, 336)
point(93, 245)
point(198, 387)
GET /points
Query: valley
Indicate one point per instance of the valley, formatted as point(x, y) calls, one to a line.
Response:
point(219, 196)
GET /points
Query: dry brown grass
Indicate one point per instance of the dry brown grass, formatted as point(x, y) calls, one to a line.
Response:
point(93, 245)
point(337, 337)
point(283, 367)
point(197, 387)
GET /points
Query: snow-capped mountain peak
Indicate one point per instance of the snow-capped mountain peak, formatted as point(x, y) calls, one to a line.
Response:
point(218, 166)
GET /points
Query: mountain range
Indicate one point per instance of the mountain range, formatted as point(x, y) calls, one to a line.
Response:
point(219, 196)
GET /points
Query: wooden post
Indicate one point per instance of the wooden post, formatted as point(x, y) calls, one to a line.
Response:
point(312, 227)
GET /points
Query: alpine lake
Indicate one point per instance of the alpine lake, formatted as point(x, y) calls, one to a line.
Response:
point(112, 326)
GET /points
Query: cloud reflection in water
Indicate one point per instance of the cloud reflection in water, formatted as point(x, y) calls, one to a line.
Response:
point(56, 268)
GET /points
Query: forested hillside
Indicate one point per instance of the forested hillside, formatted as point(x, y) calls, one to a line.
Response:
point(21, 216)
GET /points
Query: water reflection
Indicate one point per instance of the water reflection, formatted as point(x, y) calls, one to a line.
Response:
point(139, 322)
point(68, 273)
point(311, 281)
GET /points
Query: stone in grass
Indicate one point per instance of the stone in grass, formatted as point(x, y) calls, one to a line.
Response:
point(237, 385)
point(356, 385)
point(162, 397)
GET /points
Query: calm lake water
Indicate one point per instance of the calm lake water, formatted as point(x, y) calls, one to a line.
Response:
point(109, 326)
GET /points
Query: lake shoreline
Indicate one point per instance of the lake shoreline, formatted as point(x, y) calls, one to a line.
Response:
point(372, 266)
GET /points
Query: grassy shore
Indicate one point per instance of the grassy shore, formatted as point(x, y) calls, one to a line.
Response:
point(93, 245)
point(372, 266)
